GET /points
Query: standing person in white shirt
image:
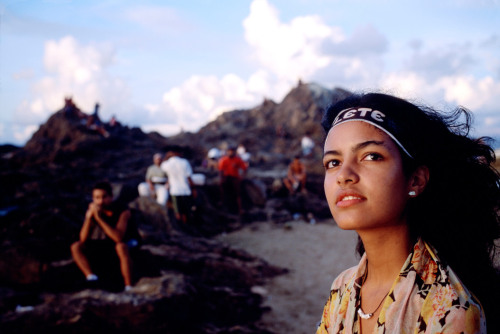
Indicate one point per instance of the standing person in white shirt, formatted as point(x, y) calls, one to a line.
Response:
point(307, 145)
point(154, 186)
point(181, 187)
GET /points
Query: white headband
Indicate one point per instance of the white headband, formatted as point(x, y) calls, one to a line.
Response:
point(367, 115)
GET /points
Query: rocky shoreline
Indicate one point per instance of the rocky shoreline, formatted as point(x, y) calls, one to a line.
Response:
point(185, 280)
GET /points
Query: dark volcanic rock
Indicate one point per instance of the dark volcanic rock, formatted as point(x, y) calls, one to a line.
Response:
point(184, 281)
point(193, 286)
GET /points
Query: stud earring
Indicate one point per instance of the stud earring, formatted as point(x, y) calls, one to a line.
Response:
point(412, 193)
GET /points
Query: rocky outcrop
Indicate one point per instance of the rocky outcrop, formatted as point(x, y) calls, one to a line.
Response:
point(270, 131)
point(184, 281)
point(182, 284)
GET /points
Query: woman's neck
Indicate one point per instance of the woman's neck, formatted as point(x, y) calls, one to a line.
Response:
point(386, 250)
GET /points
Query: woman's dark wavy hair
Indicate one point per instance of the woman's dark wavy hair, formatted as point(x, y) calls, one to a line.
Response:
point(458, 212)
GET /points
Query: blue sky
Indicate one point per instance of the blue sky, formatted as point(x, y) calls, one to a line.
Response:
point(172, 65)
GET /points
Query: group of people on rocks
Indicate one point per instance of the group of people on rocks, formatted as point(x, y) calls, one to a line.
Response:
point(170, 181)
point(170, 177)
point(107, 226)
point(233, 163)
point(93, 121)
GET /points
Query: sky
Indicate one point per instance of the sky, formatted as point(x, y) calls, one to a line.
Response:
point(171, 66)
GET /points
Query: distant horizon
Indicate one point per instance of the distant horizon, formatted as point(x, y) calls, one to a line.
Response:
point(169, 66)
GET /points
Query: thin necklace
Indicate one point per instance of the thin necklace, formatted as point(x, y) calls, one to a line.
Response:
point(360, 311)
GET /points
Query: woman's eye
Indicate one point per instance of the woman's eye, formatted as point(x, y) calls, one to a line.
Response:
point(331, 164)
point(373, 157)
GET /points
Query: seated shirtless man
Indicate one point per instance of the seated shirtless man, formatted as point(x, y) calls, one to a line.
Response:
point(104, 227)
point(296, 176)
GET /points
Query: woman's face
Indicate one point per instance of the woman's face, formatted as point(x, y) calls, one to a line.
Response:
point(364, 181)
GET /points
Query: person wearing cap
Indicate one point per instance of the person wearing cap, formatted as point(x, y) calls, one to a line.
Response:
point(213, 156)
point(231, 169)
point(423, 198)
point(155, 184)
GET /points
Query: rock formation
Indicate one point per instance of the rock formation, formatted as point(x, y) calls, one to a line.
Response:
point(184, 281)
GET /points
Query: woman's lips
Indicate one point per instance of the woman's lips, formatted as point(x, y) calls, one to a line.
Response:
point(346, 200)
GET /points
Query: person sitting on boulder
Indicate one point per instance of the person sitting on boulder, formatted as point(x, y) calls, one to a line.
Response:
point(296, 176)
point(155, 184)
point(104, 228)
point(71, 110)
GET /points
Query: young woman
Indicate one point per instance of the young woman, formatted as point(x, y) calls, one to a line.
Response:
point(424, 200)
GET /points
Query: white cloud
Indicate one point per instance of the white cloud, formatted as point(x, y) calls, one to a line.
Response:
point(80, 71)
point(474, 93)
point(409, 85)
point(309, 49)
point(164, 129)
point(152, 109)
point(284, 54)
point(37, 107)
point(290, 51)
point(31, 111)
point(259, 82)
point(201, 98)
point(16, 133)
point(235, 89)
point(304, 48)
point(74, 63)
point(477, 94)
point(22, 133)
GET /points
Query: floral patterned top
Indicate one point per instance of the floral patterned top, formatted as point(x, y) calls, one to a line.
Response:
point(426, 297)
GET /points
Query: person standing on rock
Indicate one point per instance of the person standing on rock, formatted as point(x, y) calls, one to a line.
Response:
point(213, 156)
point(104, 229)
point(423, 198)
point(307, 144)
point(155, 184)
point(231, 169)
point(180, 184)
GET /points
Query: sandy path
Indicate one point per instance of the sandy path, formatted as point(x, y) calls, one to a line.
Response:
point(314, 255)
